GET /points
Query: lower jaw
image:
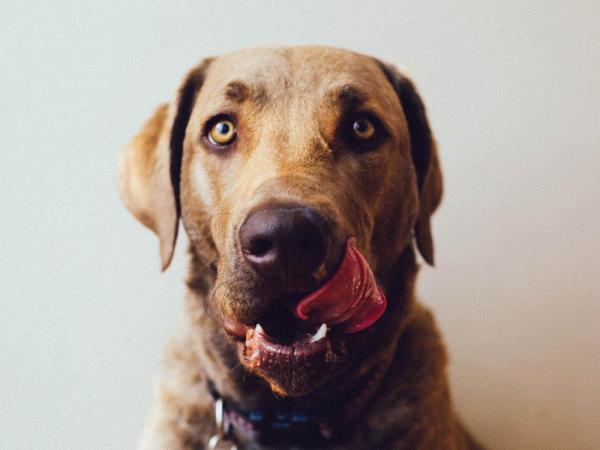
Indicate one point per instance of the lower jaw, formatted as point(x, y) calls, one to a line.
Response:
point(294, 370)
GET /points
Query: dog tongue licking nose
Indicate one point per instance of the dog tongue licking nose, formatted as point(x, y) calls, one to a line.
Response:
point(350, 300)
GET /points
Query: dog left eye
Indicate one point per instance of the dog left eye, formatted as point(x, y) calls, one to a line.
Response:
point(363, 128)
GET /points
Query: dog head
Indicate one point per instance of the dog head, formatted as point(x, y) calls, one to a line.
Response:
point(284, 165)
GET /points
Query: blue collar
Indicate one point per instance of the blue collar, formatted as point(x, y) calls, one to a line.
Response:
point(285, 426)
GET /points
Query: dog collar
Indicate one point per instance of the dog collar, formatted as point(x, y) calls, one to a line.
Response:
point(281, 427)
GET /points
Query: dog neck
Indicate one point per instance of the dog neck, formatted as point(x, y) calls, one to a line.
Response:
point(336, 405)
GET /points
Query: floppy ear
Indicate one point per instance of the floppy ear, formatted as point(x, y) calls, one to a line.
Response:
point(149, 167)
point(424, 156)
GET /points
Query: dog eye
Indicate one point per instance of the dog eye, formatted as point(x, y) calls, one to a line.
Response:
point(363, 128)
point(222, 132)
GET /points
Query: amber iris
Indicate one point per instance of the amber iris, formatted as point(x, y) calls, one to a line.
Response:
point(222, 133)
point(363, 128)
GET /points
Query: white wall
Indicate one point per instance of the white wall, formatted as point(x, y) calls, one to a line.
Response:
point(514, 98)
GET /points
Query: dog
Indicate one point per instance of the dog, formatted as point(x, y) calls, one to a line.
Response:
point(305, 179)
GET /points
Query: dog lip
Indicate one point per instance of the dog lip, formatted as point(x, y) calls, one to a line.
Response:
point(308, 338)
point(240, 330)
point(261, 351)
point(233, 327)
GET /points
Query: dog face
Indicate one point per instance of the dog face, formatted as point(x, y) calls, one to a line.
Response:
point(276, 159)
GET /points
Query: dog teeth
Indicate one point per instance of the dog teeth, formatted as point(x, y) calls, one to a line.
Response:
point(320, 334)
point(260, 330)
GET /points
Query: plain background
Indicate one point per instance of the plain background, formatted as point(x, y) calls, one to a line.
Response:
point(513, 91)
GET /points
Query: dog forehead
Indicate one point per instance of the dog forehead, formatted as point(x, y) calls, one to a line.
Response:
point(297, 71)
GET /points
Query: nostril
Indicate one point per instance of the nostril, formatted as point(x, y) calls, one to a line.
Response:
point(307, 244)
point(259, 247)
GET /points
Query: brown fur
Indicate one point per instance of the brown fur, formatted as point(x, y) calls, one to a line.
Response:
point(387, 385)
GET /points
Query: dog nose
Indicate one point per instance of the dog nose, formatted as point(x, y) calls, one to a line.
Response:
point(283, 240)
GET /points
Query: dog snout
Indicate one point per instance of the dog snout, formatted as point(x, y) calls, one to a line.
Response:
point(284, 240)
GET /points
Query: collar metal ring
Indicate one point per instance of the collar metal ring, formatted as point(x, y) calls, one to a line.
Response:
point(223, 427)
point(215, 440)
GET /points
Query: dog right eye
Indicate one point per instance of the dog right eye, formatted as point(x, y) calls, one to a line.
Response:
point(221, 132)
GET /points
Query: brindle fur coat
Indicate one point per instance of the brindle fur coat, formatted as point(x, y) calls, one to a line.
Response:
point(388, 388)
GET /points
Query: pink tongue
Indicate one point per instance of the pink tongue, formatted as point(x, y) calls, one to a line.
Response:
point(351, 299)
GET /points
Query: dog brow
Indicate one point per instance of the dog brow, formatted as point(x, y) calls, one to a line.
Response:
point(349, 97)
point(238, 92)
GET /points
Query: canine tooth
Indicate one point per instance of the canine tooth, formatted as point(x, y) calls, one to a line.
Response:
point(320, 334)
point(259, 329)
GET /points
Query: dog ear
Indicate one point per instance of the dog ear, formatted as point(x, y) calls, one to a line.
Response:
point(424, 156)
point(149, 167)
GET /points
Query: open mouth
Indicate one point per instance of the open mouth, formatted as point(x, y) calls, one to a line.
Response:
point(294, 356)
point(311, 333)
point(281, 338)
